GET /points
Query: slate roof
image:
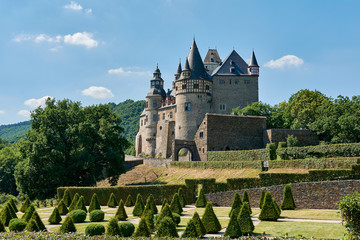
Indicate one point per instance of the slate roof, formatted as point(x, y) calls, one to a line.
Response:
point(179, 70)
point(253, 62)
point(232, 65)
point(195, 64)
point(212, 57)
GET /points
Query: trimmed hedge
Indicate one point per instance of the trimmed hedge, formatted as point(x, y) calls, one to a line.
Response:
point(242, 155)
point(17, 225)
point(97, 216)
point(68, 226)
point(55, 217)
point(112, 227)
point(94, 229)
point(126, 228)
point(78, 216)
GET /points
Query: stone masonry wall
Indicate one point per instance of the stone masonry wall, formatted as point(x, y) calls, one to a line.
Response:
point(307, 195)
point(157, 162)
point(306, 137)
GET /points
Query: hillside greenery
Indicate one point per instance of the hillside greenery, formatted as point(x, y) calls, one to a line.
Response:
point(14, 132)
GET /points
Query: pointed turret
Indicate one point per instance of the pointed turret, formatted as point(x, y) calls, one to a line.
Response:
point(253, 65)
point(178, 71)
point(157, 84)
point(186, 71)
point(195, 64)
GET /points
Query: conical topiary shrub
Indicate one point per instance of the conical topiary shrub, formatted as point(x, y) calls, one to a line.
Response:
point(209, 219)
point(165, 212)
point(182, 197)
point(2, 227)
point(81, 204)
point(175, 205)
point(5, 216)
point(199, 225)
point(163, 204)
point(112, 201)
point(166, 229)
point(94, 203)
point(190, 230)
point(278, 210)
point(288, 202)
point(121, 213)
point(148, 215)
point(32, 226)
point(139, 206)
point(201, 200)
point(262, 197)
point(268, 210)
point(68, 226)
point(74, 202)
point(246, 198)
point(142, 230)
point(233, 229)
point(244, 219)
point(11, 210)
point(112, 228)
point(66, 198)
point(13, 204)
point(25, 205)
point(236, 205)
point(129, 201)
point(29, 212)
point(38, 221)
point(62, 208)
point(55, 217)
point(152, 204)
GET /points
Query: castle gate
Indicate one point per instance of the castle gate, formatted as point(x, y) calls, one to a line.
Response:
point(190, 145)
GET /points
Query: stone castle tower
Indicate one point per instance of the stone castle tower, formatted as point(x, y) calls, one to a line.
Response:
point(200, 87)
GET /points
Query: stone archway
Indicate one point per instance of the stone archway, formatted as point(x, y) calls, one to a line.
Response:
point(189, 145)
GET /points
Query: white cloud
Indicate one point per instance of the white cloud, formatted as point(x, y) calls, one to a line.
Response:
point(79, 38)
point(23, 37)
point(74, 6)
point(34, 103)
point(89, 10)
point(45, 38)
point(98, 92)
point(2, 112)
point(24, 113)
point(128, 71)
point(285, 61)
point(56, 49)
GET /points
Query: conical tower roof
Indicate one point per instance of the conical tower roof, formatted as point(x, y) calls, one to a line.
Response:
point(179, 70)
point(253, 62)
point(186, 66)
point(196, 64)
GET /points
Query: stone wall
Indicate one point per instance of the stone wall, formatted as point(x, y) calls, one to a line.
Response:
point(133, 163)
point(314, 195)
point(306, 137)
point(157, 162)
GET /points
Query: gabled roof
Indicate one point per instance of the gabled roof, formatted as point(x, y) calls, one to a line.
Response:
point(195, 64)
point(212, 57)
point(253, 62)
point(232, 65)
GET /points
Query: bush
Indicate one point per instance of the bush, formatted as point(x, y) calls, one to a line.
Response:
point(129, 201)
point(182, 197)
point(278, 210)
point(25, 205)
point(201, 201)
point(152, 204)
point(148, 215)
point(78, 215)
point(199, 225)
point(282, 145)
point(97, 216)
point(176, 218)
point(142, 230)
point(2, 227)
point(268, 210)
point(236, 205)
point(272, 150)
point(38, 221)
point(94, 203)
point(66, 198)
point(17, 225)
point(163, 204)
point(112, 201)
point(242, 155)
point(246, 198)
point(165, 212)
point(11, 210)
point(68, 225)
point(209, 219)
point(55, 217)
point(13, 204)
point(292, 141)
point(288, 202)
point(112, 228)
point(262, 197)
point(244, 219)
point(350, 214)
point(32, 226)
point(81, 204)
point(29, 212)
point(94, 229)
point(233, 229)
point(139, 206)
point(62, 208)
point(74, 202)
point(190, 230)
point(126, 229)
point(121, 213)
point(175, 205)
point(166, 229)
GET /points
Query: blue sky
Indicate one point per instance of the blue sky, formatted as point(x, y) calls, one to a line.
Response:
point(105, 51)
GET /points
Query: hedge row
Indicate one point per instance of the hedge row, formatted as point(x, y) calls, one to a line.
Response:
point(217, 164)
point(320, 151)
point(242, 155)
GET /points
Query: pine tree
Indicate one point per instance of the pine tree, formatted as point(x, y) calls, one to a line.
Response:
point(190, 230)
point(32, 226)
point(55, 217)
point(244, 219)
point(12, 202)
point(29, 212)
point(209, 219)
point(165, 212)
point(233, 229)
point(68, 226)
point(66, 198)
point(142, 230)
point(112, 228)
point(148, 215)
point(182, 197)
point(94, 203)
point(139, 206)
point(175, 205)
point(246, 198)
point(201, 201)
point(121, 213)
point(199, 225)
point(5, 216)
point(152, 204)
point(167, 229)
point(62, 208)
point(74, 202)
point(268, 210)
point(129, 201)
point(35, 216)
point(262, 196)
point(278, 210)
point(288, 202)
point(112, 201)
point(2, 227)
point(81, 204)
point(236, 205)
point(25, 205)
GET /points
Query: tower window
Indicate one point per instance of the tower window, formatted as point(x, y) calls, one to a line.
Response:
point(222, 107)
point(141, 122)
point(201, 135)
point(163, 116)
point(187, 106)
point(207, 87)
point(196, 86)
point(184, 86)
point(221, 82)
point(171, 114)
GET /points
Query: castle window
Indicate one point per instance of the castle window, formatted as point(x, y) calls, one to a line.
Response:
point(187, 106)
point(176, 88)
point(246, 81)
point(184, 86)
point(160, 127)
point(211, 60)
point(207, 87)
point(154, 118)
point(201, 135)
point(229, 81)
point(141, 122)
point(222, 107)
point(163, 116)
point(196, 86)
point(221, 82)
point(171, 114)
point(154, 104)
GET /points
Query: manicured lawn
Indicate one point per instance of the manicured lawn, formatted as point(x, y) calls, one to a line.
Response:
point(219, 211)
point(312, 214)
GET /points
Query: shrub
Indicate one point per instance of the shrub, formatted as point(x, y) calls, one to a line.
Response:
point(32, 226)
point(201, 201)
point(209, 219)
point(277, 208)
point(2, 227)
point(272, 149)
point(233, 229)
point(165, 212)
point(139, 206)
point(94, 203)
point(120, 212)
point(68, 225)
point(282, 145)
point(112, 201)
point(176, 218)
point(66, 198)
point(97, 216)
point(94, 229)
point(244, 219)
point(190, 230)
point(148, 215)
point(246, 198)
point(29, 212)
point(12, 202)
point(74, 202)
point(126, 229)
point(112, 228)
point(288, 202)
point(175, 205)
point(163, 204)
point(268, 210)
point(182, 197)
point(242, 155)
point(262, 196)
point(236, 205)
point(11, 210)
point(78, 215)
point(17, 225)
point(129, 201)
point(55, 217)
point(38, 221)
point(350, 214)
point(166, 229)
point(62, 208)
point(152, 204)
point(25, 205)
point(81, 204)
point(199, 225)
point(142, 230)
point(292, 141)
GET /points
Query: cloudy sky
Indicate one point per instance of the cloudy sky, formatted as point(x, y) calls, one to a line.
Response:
point(105, 51)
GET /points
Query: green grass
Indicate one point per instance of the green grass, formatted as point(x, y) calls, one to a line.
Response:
point(219, 211)
point(312, 214)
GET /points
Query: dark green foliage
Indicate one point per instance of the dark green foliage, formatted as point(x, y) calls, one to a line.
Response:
point(292, 141)
point(2, 227)
point(129, 201)
point(236, 205)
point(62, 208)
point(166, 229)
point(94, 229)
point(68, 225)
point(78, 215)
point(126, 229)
point(201, 200)
point(242, 155)
point(12, 202)
point(97, 216)
point(55, 217)
point(199, 225)
point(148, 215)
point(233, 229)
point(244, 219)
point(190, 230)
point(94, 203)
point(165, 212)
point(81, 204)
point(175, 205)
point(209, 219)
point(112, 228)
point(112, 201)
point(246, 198)
point(38, 221)
point(278, 210)
point(17, 225)
point(14, 132)
point(25, 205)
point(350, 215)
point(66, 198)
point(11, 210)
point(139, 206)
point(32, 226)
point(74, 202)
point(176, 218)
point(272, 148)
point(288, 202)
point(121, 213)
point(152, 204)
point(142, 230)
point(5, 216)
point(262, 197)
point(268, 210)
point(29, 212)
point(182, 197)
point(163, 204)
point(282, 145)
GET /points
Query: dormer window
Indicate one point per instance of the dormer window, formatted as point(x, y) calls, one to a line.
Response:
point(232, 69)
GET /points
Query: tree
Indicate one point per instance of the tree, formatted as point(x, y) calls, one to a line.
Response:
point(70, 145)
point(167, 229)
point(246, 198)
point(190, 230)
point(5, 215)
point(67, 198)
point(112, 201)
point(152, 204)
point(209, 219)
point(139, 206)
point(350, 214)
point(201, 200)
point(142, 230)
point(112, 228)
point(68, 226)
point(268, 210)
point(81, 204)
point(32, 226)
point(175, 204)
point(148, 215)
point(121, 213)
point(288, 202)
point(262, 197)
point(25, 205)
point(236, 205)
point(94, 203)
point(165, 212)
point(55, 217)
point(182, 197)
point(244, 219)
point(62, 208)
point(74, 202)
point(199, 225)
point(29, 212)
point(233, 229)
point(129, 201)
point(35, 216)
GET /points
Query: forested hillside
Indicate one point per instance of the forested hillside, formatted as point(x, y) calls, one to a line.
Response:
point(13, 132)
